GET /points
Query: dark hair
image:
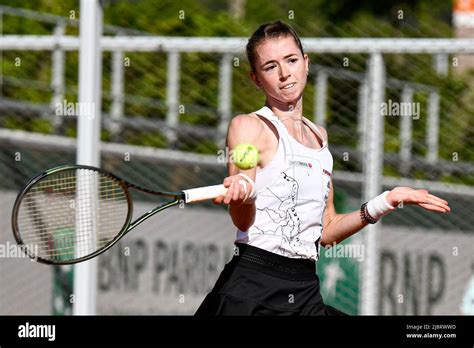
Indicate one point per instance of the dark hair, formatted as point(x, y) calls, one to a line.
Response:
point(268, 31)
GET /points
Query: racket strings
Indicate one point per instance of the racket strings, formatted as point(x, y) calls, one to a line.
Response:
point(71, 214)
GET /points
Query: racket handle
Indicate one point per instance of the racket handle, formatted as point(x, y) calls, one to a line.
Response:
point(203, 193)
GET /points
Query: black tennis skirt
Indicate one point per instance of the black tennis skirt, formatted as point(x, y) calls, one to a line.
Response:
point(258, 282)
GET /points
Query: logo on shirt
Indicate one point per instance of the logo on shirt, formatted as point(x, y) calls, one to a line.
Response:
point(327, 172)
point(301, 164)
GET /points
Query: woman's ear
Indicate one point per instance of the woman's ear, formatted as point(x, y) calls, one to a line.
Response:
point(307, 61)
point(255, 80)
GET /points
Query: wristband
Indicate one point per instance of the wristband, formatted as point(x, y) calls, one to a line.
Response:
point(253, 193)
point(379, 206)
point(364, 216)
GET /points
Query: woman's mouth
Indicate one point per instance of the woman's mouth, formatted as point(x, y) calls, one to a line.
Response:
point(289, 85)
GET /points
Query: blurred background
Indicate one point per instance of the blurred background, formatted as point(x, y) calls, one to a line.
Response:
point(165, 111)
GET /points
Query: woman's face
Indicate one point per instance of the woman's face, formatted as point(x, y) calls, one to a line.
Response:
point(280, 69)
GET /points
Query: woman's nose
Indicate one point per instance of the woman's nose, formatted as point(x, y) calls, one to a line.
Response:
point(283, 73)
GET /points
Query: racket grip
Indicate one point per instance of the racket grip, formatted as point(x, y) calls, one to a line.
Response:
point(203, 193)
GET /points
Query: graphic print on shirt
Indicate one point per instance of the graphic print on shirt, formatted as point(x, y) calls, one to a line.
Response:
point(292, 193)
point(286, 221)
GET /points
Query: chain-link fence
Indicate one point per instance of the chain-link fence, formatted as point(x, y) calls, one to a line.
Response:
point(166, 105)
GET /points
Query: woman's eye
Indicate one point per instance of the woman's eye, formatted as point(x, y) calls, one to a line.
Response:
point(293, 60)
point(270, 68)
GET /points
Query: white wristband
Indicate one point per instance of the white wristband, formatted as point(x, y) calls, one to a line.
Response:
point(253, 194)
point(379, 206)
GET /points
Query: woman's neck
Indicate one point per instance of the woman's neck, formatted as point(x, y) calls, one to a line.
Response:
point(291, 115)
point(286, 111)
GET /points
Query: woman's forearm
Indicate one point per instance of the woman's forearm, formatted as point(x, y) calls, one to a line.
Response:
point(341, 227)
point(243, 215)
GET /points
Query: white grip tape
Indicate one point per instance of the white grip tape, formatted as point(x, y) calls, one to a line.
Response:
point(253, 193)
point(243, 183)
point(379, 206)
point(203, 193)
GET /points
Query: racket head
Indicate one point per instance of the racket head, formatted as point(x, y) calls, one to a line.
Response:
point(51, 215)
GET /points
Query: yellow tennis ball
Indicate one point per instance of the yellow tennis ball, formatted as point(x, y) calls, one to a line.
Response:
point(245, 156)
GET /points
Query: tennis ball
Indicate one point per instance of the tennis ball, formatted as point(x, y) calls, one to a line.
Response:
point(245, 156)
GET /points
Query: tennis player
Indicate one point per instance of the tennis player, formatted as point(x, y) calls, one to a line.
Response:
point(283, 208)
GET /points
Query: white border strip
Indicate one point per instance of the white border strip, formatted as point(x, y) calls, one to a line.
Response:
point(55, 141)
point(237, 45)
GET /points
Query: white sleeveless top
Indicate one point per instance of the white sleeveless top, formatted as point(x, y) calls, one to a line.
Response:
point(292, 191)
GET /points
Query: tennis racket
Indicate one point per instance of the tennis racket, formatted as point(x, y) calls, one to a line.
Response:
point(73, 213)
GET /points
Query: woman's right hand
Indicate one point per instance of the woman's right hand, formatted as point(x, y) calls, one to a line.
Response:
point(236, 191)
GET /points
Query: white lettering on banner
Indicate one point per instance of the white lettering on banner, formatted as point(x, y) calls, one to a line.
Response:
point(421, 267)
point(172, 267)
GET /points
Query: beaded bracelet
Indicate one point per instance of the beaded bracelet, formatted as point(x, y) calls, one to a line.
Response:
point(365, 216)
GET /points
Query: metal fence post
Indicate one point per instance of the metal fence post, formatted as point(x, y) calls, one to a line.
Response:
point(321, 97)
point(406, 132)
point(372, 179)
point(432, 132)
point(1, 56)
point(116, 90)
point(225, 97)
point(88, 135)
point(172, 96)
point(362, 109)
point(441, 64)
point(57, 76)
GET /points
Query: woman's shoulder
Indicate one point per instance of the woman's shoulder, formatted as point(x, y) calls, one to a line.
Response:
point(251, 117)
point(251, 127)
point(249, 122)
point(319, 128)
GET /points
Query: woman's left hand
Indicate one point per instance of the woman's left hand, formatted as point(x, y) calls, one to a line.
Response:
point(407, 195)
